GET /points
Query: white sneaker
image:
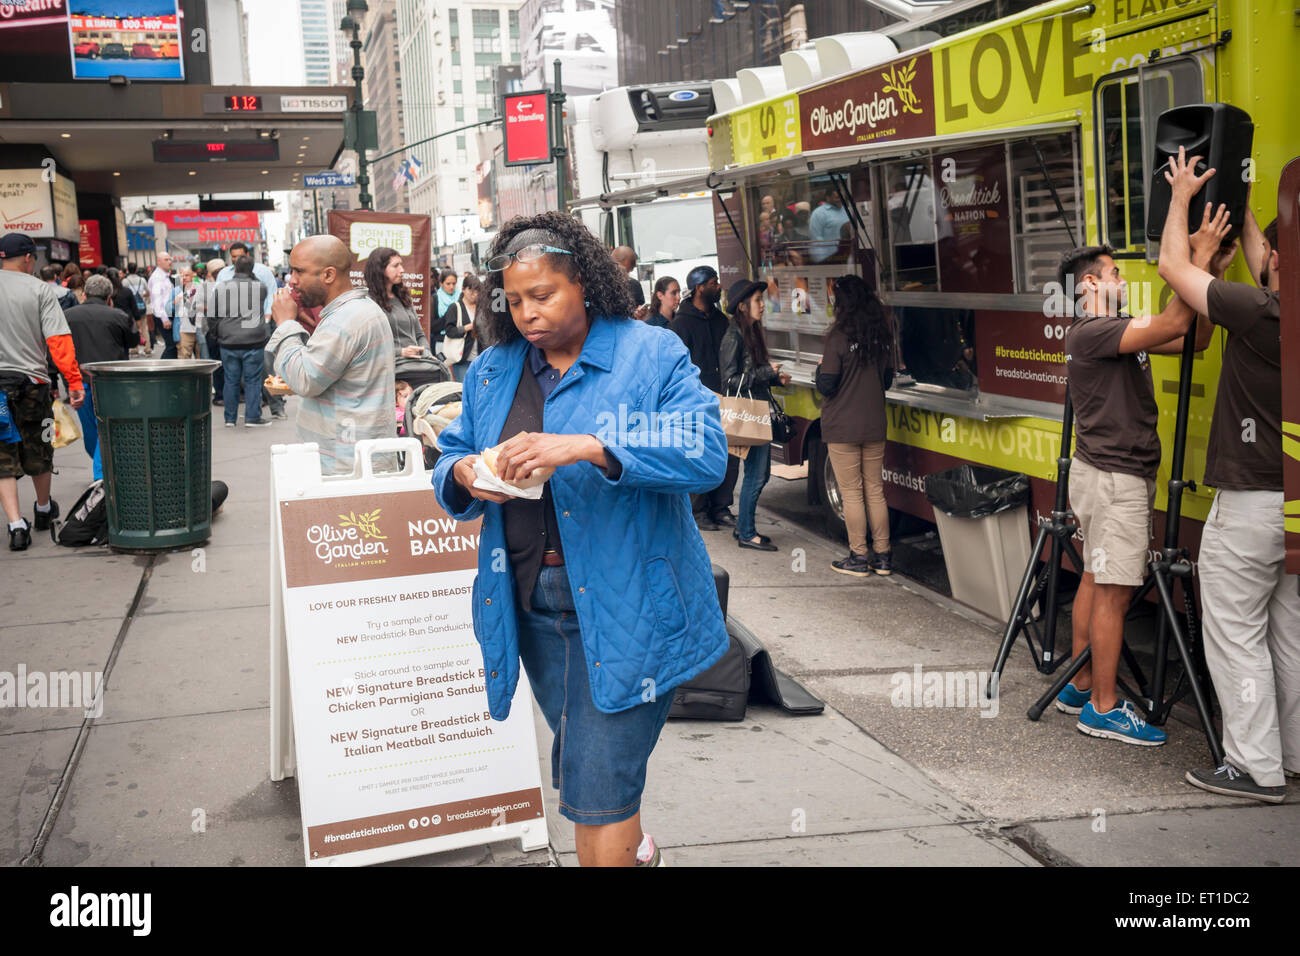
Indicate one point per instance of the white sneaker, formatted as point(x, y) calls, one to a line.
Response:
point(647, 854)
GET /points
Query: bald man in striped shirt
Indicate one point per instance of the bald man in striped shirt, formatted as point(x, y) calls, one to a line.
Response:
point(344, 371)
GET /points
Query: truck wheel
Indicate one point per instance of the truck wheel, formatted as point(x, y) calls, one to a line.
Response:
point(822, 475)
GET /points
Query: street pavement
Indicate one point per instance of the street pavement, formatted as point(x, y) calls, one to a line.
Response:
point(175, 770)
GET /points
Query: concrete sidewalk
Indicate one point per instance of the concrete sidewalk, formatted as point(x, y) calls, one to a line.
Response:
point(175, 771)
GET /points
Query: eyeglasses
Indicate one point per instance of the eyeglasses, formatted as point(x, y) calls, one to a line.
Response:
point(527, 254)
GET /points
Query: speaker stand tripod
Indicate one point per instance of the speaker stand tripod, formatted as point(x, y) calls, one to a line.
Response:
point(1036, 582)
point(1174, 562)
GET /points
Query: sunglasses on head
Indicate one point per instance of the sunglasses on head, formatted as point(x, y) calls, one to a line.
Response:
point(529, 253)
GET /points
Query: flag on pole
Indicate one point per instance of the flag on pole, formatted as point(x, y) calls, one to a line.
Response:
point(399, 178)
point(413, 169)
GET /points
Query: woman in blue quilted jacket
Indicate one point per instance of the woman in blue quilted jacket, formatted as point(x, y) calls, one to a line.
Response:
point(601, 586)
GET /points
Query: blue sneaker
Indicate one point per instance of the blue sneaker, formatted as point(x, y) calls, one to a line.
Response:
point(1071, 700)
point(1122, 723)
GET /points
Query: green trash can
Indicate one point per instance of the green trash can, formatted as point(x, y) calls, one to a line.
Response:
point(155, 439)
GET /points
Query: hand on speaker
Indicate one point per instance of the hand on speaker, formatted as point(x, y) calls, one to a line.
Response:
point(1209, 237)
point(1222, 259)
point(1182, 177)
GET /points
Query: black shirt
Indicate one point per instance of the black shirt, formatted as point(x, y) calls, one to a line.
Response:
point(638, 293)
point(124, 299)
point(531, 525)
point(702, 332)
point(101, 333)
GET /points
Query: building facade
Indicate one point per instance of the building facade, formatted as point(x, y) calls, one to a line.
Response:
point(662, 41)
point(314, 17)
point(383, 87)
point(449, 54)
point(580, 34)
point(228, 42)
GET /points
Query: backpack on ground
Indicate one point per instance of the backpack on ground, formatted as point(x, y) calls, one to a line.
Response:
point(87, 521)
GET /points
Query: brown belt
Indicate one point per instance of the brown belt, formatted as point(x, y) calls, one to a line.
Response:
point(552, 559)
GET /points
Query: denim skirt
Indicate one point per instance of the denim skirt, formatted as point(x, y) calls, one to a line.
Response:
point(598, 760)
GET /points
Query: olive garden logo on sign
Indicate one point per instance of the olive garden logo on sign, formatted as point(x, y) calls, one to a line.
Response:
point(872, 105)
point(899, 80)
point(356, 539)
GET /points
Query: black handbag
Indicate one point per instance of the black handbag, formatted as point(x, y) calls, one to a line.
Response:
point(782, 427)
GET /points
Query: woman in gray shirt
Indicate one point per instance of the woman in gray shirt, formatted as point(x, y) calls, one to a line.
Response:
point(414, 361)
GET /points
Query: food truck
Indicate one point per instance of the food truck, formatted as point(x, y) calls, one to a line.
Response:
point(951, 166)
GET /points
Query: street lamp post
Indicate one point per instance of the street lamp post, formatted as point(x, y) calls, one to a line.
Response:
point(559, 151)
point(352, 21)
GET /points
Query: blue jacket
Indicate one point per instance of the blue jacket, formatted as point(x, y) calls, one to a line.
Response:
point(642, 581)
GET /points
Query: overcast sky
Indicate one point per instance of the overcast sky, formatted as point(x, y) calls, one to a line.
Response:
point(274, 59)
point(274, 43)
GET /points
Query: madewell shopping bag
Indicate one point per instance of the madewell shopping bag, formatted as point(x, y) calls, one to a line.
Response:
point(745, 420)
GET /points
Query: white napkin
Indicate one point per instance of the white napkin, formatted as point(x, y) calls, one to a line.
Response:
point(489, 482)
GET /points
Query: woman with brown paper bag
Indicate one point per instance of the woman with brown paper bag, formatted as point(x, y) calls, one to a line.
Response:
point(746, 370)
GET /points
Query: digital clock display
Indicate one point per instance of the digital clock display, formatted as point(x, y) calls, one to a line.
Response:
point(243, 104)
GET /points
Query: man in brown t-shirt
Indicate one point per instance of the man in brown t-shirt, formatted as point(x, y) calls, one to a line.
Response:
point(1251, 605)
point(1112, 477)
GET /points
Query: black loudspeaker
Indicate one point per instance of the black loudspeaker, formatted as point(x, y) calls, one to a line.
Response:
point(1222, 135)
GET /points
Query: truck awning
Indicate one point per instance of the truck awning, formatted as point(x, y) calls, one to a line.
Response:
point(644, 193)
point(844, 156)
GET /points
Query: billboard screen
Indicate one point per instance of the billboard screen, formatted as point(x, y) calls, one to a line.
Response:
point(140, 39)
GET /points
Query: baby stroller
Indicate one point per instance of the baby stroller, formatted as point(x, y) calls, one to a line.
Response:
point(429, 410)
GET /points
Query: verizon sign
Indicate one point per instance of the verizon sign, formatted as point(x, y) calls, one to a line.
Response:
point(527, 128)
point(30, 204)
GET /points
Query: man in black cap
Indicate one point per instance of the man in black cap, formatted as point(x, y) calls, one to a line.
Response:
point(701, 325)
point(32, 322)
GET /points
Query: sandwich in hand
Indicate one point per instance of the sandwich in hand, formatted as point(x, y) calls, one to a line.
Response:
point(534, 480)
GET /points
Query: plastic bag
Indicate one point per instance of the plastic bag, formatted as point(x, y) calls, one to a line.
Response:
point(67, 428)
point(976, 491)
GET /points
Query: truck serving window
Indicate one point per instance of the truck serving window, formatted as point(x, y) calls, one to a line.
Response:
point(1128, 105)
point(1041, 237)
point(801, 240)
point(911, 263)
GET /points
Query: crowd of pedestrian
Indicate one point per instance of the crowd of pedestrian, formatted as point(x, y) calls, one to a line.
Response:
point(558, 329)
point(103, 314)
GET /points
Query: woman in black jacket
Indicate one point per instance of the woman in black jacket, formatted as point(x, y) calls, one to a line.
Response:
point(747, 369)
point(122, 298)
point(413, 359)
point(856, 368)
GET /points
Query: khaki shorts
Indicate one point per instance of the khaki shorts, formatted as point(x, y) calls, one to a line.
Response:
point(1114, 514)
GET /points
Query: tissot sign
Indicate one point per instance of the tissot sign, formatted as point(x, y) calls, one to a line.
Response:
point(527, 128)
point(892, 101)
